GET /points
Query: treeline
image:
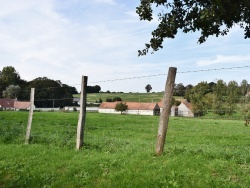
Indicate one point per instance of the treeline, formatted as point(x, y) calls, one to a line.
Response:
point(221, 98)
point(48, 92)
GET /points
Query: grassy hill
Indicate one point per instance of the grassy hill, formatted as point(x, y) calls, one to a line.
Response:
point(129, 97)
point(119, 152)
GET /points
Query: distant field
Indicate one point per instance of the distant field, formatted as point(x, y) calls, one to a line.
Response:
point(129, 97)
point(119, 152)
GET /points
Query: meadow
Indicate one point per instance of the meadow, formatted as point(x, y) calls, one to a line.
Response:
point(119, 152)
point(128, 97)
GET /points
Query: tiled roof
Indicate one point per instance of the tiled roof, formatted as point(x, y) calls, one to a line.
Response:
point(7, 103)
point(187, 104)
point(12, 103)
point(131, 105)
point(21, 104)
point(141, 106)
point(107, 105)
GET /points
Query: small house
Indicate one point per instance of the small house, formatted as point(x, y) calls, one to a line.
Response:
point(13, 104)
point(185, 109)
point(23, 105)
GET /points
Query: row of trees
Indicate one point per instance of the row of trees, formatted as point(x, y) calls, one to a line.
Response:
point(181, 90)
point(219, 97)
point(48, 93)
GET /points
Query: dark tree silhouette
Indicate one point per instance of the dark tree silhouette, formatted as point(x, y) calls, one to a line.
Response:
point(148, 88)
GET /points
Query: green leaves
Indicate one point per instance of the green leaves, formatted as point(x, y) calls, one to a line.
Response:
point(121, 107)
point(210, 17)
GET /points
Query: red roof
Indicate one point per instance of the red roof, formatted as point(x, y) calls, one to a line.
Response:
point(187, 104)
point(7, 103)
point(12, 103)
point(21, 104)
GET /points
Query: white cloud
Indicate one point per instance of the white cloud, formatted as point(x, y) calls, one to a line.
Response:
point(65, 40)
point(221, 59)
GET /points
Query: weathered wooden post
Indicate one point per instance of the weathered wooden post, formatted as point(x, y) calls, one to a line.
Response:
point(166, 109)
point(82, 114)
point(32, 94)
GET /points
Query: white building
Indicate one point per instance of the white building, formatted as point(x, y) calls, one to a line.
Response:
point(185, 109)
point(133, 108)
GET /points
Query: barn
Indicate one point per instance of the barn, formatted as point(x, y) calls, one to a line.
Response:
point(133, 108)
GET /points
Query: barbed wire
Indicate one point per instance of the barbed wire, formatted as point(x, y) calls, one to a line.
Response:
point(208, 70)
point(164, 74)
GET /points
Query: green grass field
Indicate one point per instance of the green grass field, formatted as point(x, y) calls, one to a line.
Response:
point(119, 152)
point(128, 97)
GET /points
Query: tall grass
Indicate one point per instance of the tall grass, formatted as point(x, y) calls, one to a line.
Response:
point(119, 152)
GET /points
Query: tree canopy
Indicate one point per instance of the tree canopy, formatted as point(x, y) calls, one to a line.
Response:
point(148, 88)
point(11, 91)
point(121, 107)
point(9, 76)
point(210, 17)
point(51, 93)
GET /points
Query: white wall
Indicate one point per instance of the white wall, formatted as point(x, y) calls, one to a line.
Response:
point(184, 111)
point(109, 111)
point(139, 112)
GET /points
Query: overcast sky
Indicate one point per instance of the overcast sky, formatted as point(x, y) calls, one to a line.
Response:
point(63, 40)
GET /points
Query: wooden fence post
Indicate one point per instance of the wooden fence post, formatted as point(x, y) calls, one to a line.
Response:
point(82, 114)
point(32, 94)
point(167, 99)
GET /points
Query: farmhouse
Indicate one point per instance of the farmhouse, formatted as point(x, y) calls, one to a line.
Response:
point(13, 104)
point(133, 108)
point(184, 109)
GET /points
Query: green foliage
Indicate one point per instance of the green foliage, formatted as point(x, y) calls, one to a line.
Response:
point(179, 90)
point(245, 107)
point(148, 88)
point(51, 93)
point(9, 76)
point(46, 89)
point(244, 87)
point(11, 92)
point(109, 100)
point(198, 98)
point(114, 99)
point(188, 91)
point(209, 17)
point(219, 105)
point(130, 97)
point(121, 107)
point(175, 102)
point(232, 97)
point(93, 89)
point(117, 99)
